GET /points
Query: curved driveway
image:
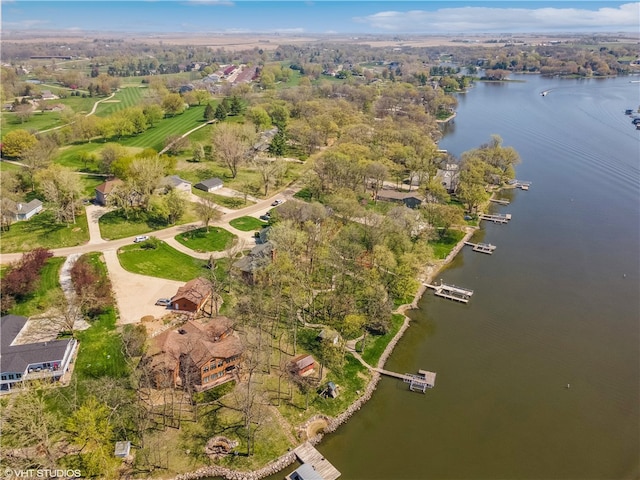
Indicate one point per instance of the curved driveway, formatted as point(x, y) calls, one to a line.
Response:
point(136, 294)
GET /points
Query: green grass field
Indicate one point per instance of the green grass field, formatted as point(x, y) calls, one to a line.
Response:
point(162, 262)
point(246, 224)
point(43, 231)
point(69, 156)
point(444, 245)
point(178, 125)
point(375, 345)
point(114, 224)
point(228, 202)
point(37, 121)
point(215, 240)
point(124, 98)
point(47, 293)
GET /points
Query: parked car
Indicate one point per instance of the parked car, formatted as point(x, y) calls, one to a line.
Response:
point(266, 217)
point(277, 202)
point(141, 238)
point(163, 302)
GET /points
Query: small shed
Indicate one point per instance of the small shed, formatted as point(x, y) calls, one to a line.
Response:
point(122, 449)
point(303, 364)
point(329, 335)
point(209, 185)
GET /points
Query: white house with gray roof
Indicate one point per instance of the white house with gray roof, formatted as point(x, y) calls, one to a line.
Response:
point(177, 183)
point(30, 361)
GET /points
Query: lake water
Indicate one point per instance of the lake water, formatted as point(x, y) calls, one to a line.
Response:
point(556, 304)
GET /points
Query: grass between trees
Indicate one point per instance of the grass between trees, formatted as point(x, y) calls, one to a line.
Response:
point(216, 239)
point(443, 246)
point(162, 262)
point(42, 230)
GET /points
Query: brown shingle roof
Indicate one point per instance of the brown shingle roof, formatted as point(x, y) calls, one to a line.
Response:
point(196, 291)
point(108, 186)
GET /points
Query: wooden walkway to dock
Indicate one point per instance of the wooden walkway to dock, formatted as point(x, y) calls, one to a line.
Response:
point(499, 201)
point(482, 247)
point(451, 292)
point(308, 455)
point(419, 382)
point(496, 218)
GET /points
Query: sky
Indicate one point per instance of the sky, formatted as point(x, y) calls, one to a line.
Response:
point(322, 16)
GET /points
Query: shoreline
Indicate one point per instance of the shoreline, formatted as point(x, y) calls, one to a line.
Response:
point(282, 462)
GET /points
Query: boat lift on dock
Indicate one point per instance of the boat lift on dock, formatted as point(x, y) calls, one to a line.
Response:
point(482, 247)
point(522, 185)
point(496, 218)
point(451, 292)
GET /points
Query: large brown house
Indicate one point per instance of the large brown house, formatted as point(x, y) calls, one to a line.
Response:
point(192, 296)
point(195, 355)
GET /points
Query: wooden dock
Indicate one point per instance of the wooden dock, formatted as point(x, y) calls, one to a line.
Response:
point(313, 459)
point(451, 292)
point(496, 218)
point(500, 201)
point(482, 247)
point(417, 383)
point(522, 185)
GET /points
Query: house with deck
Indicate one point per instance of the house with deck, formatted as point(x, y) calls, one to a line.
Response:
point(194, 355)
point(24, 361)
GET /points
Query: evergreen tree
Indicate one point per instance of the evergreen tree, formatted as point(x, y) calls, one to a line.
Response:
point(278, 146)
point(221, 112)
point(209, 113)
point(235, 107)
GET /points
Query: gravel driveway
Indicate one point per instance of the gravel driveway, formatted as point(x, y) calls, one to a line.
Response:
point(135, 294)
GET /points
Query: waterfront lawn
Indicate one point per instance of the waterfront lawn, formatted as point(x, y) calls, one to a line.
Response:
point(162, 262)
point(47, 293)
point(443, 245)
point(201, 240)
point(246, 224)
point(114, 224)
point(375, 344)
point(42, 230)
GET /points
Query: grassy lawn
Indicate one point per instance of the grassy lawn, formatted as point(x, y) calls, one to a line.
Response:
point(124, 98)
point(89, 184)
point(155, 136)
point(43, 231)
point(47, 293)
point(77, 104)
point(162, 262)
point(215, 240)
point(444, 245)
point(37, 121)
point(100, 351)
point(69, 156)
point(375, 345)
point(114, 225)
point(228, 202)
point(246, 224)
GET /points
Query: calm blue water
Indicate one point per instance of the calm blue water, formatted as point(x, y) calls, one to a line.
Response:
point(558, 303)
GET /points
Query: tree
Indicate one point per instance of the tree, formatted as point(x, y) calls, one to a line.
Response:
point(173, 104)
point(269, 171)
point(153, 113)
point(63, 188)
point(90, 429)
point(209, 113)
point(278, 145)
point(221, 112)
point(39, 156)
point(176, 204)
point(207, 211)
point(17, 142)
point(259, 117)
point(109, 154)
point(235, 106)
point(23, 112)
point(232, 143)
